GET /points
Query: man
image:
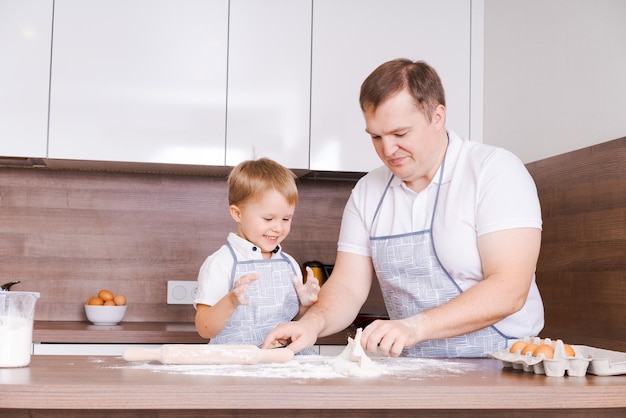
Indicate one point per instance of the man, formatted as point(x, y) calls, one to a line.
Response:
point(450, 228)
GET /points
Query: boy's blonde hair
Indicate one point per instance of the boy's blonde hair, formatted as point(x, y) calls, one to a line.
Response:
point(252, 177)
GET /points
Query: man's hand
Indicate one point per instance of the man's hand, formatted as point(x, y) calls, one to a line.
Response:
point(295, 335)
point(390, 337)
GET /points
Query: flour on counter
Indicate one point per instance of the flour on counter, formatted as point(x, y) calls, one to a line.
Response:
point(318, 367)
point(352, 362)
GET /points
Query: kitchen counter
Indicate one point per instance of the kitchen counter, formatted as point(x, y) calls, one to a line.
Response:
point(124, 332)
point(69, 332)
point(74, 385)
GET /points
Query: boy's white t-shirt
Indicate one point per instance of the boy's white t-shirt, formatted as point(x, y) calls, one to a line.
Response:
point(484, 189)
point(215, 276)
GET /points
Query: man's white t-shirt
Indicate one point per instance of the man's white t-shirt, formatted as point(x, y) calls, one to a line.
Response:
point(484, 189)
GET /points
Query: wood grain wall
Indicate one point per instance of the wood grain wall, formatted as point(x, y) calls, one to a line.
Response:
point(581, 272)
point(69, 233)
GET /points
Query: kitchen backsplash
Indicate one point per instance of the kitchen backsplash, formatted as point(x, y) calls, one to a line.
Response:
point(69, 233)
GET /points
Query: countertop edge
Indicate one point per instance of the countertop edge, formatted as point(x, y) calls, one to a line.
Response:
point(88, 383)
point(83, 332)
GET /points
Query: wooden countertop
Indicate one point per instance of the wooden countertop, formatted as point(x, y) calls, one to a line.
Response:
point(70, 384)
point(125, 332)
point(69, 332)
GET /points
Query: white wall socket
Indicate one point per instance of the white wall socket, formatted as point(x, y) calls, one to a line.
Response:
point(180, 292)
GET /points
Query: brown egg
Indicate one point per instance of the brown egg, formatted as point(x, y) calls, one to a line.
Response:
point(105, 295)
point(569, 351)
point(546, 350)
point(529, 348)
point(119, 300)
point(95, 301)
point(518, 346)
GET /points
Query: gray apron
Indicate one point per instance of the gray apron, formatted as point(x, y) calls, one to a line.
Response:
point(412, 280)
point(273, 300)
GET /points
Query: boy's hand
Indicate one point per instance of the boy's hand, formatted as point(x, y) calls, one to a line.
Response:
point(240, 288)
point(307, 292)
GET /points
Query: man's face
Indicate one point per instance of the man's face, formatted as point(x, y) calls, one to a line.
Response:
point(408, 143)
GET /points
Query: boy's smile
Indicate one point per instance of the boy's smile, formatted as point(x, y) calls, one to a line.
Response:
point(264, 221)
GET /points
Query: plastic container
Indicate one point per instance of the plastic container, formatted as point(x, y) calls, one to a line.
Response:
point(17, 313)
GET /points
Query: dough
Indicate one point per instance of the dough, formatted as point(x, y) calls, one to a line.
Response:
point(353, 361)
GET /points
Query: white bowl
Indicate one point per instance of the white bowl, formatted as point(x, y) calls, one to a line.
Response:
point(105, 315)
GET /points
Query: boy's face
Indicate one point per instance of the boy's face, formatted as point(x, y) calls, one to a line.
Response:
point(264, 221)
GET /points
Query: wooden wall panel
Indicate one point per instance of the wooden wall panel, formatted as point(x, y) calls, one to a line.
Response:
point(69, 233)
point(582, 265)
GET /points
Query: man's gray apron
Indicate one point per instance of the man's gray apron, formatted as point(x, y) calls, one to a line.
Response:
point(412, 280)
point(273, 300)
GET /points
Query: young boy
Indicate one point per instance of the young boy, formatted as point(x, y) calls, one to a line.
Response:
point(250, 285)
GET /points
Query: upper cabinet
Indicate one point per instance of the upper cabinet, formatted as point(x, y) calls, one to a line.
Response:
point(25, 33)
point(215, 82)
point(269, 81)
point(139, 81)
point(351, 38)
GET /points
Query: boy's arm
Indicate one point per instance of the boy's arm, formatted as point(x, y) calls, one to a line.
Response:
point(211, 320)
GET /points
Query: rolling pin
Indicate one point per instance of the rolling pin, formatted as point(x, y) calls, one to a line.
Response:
point(208, 354)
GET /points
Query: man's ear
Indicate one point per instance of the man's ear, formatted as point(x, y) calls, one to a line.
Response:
point(235, 213)
point(439, 116)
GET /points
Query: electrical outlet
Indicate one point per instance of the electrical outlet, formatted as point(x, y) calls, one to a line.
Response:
point(181, 292)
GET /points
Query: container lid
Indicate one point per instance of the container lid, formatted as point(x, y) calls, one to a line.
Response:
point(12, 292)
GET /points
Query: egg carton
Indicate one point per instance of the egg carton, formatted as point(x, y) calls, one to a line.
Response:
point(604, 362)
point(587, 359)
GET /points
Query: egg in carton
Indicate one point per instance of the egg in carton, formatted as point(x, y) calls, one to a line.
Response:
point(531, 356)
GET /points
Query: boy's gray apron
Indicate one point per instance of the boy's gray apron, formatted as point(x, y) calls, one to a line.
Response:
point(273, 300)
point(413, 280)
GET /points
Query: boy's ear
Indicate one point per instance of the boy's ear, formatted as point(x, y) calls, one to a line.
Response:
point(235, 213)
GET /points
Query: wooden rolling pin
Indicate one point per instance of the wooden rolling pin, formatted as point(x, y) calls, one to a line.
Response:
point(208, 354)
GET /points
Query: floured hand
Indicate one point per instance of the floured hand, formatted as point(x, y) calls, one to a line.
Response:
point(307, 292)
point(240, 288)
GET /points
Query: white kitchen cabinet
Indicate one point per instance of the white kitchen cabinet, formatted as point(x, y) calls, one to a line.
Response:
point(25, 39)
point(217, 82)
point(269, 73)
point(139, 81)
point(351, 38)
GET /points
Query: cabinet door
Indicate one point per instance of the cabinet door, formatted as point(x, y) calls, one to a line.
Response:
point(139, 81)
point(25, 33)
point(269, 75)
point(351, 38)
